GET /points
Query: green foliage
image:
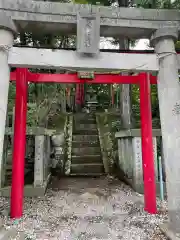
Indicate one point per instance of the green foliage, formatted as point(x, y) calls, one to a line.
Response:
point(177, 45)
point(11, 96)
point(165, 4)
point(44, 95)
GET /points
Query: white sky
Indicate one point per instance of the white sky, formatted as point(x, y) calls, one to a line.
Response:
point(142, 44)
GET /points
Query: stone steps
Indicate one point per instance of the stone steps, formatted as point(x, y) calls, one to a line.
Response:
point(85, 138)
point(87, 159)
point(85, 143)
point(85, 150)
point(87, 168)
point(80, 117)
point(87, 174)
point(85, 121)
point(81, 126)
point(85, 131)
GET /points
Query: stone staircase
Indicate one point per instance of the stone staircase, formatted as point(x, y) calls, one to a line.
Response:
point(86, 159)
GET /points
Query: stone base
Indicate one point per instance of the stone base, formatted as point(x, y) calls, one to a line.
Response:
point(168, 233)
point(29, 190)
point(7, 234)
point(140, 188)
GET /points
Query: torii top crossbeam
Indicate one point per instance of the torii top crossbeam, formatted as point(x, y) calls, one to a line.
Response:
point(40, 16)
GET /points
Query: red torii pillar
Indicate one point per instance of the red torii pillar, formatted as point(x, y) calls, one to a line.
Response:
point(19, 146)
point(77, 96)
point(147, 145)
point(82, 94)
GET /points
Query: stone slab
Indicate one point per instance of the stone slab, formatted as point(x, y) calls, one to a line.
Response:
point(168, 233)
point(69, 59)
point(140, 188)
point(8, 234)
point(29, 191)
point(105, 61)
point(136, 133)
point(33, 131)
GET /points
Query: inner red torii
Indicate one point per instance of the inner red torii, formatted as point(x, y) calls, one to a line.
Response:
point(22, 76)
point(73, 78)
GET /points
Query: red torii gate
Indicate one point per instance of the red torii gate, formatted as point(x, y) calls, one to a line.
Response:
point(73, 78)
point(22, 76)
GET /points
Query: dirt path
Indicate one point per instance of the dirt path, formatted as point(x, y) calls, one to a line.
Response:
point(92, 209)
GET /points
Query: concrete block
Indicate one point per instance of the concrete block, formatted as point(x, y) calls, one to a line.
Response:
point(29, 190)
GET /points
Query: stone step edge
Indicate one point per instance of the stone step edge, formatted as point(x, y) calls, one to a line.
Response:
point(87, 174)
point(84, 156)
point(84, 144)
point(87, 148)
point(81, 141)
point(87, 164)
point(89, 135)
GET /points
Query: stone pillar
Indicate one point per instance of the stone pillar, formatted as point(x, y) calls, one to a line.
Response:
point(125, 99)
point(137, 163)
point(125, 155)
point(7, 30)
point(169, 104)
point(125, 102)
point(47, 157)
point(39, 161)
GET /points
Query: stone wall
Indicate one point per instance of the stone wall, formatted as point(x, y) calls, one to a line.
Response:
point(42, 159)
point(108, 142)
point(68, 145)
point(130, 157)
point(39, 160)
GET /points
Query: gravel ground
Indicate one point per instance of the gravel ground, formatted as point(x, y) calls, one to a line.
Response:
point(84, 208)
